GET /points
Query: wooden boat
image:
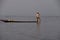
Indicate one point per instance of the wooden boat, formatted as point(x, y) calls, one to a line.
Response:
point(8, 21)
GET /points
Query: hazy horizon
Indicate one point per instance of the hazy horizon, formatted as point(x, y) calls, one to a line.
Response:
point(29, 7)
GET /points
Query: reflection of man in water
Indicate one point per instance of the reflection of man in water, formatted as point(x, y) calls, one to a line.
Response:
point(37, 17)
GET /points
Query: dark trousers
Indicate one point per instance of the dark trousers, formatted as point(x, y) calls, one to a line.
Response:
point(38, 18)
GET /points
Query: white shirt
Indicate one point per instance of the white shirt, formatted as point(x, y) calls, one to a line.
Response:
point(37, 15)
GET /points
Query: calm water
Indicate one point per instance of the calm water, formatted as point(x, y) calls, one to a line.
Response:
point(49, 29)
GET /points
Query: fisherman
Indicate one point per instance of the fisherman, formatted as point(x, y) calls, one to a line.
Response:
point(37, 17)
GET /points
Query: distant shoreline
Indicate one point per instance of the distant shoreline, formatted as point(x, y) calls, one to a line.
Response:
point(28, 16)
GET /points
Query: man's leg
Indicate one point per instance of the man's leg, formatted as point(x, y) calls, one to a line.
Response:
point(37, 20)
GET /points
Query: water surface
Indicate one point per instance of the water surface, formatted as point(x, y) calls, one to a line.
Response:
point(49, 29)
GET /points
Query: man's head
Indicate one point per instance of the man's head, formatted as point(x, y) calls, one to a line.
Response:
point(37, 12)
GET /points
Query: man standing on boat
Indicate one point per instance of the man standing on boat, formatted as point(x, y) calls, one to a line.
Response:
point(37, 17)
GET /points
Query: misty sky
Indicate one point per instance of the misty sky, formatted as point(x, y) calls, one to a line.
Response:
point(29, 7)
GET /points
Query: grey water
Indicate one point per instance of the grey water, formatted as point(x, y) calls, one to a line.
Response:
point(49, 29)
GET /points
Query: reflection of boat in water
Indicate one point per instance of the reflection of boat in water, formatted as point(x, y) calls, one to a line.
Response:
point(6, 21)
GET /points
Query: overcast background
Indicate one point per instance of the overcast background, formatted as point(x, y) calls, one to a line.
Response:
point(29, 7)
